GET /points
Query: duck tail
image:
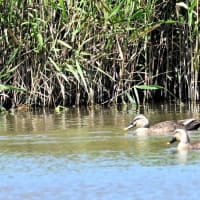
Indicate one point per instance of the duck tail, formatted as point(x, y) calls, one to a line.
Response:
point(191, 124)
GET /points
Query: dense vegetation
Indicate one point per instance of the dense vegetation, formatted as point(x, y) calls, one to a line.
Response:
point(76, 52)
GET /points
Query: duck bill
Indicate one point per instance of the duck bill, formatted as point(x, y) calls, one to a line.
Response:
point(172, 140)
point(129, 126)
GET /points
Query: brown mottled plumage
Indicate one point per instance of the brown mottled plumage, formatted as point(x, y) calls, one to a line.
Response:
point(166, 127)
point(182, 136)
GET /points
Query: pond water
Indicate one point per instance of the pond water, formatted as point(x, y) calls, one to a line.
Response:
point(85, 154)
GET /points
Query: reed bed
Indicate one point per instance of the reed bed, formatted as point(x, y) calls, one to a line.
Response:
point(98, 52)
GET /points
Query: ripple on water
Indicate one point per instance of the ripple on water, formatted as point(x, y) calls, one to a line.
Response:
point(94, 163)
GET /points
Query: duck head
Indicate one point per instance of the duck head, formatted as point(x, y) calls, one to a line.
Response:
point(180, 135)
point(140, 121)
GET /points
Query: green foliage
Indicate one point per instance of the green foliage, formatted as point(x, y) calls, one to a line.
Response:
point(11, 88)
point(60, 109)
point(87, 52)
point(2, 109)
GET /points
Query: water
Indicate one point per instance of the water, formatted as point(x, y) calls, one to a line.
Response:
point(85, 154)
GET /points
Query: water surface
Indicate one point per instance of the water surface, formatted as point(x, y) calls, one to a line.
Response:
point(85, 154)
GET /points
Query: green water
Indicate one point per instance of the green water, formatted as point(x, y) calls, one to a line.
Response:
point(85, 154)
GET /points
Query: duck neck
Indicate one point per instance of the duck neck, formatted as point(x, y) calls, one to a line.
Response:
point(185, 139)
point(141, 131)
point(183, 146)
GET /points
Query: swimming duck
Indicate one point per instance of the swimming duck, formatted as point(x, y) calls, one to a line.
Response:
point(141, 122)
point(184, 144)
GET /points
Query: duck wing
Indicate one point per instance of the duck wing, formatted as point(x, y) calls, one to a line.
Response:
point(189, 124)
point(166, 127)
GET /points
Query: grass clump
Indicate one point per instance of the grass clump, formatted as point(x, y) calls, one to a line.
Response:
point(65, 53)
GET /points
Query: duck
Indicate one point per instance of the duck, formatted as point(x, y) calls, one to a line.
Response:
point(143, 127)
point(182, 136)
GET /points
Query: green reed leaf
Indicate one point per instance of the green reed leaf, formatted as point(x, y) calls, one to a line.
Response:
point(12, 56)
point(11, 88)
point(72, 70)
point(40, 40)
point(10, 71)
point(56, 66)
point(64, 44)
point(148, 87)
